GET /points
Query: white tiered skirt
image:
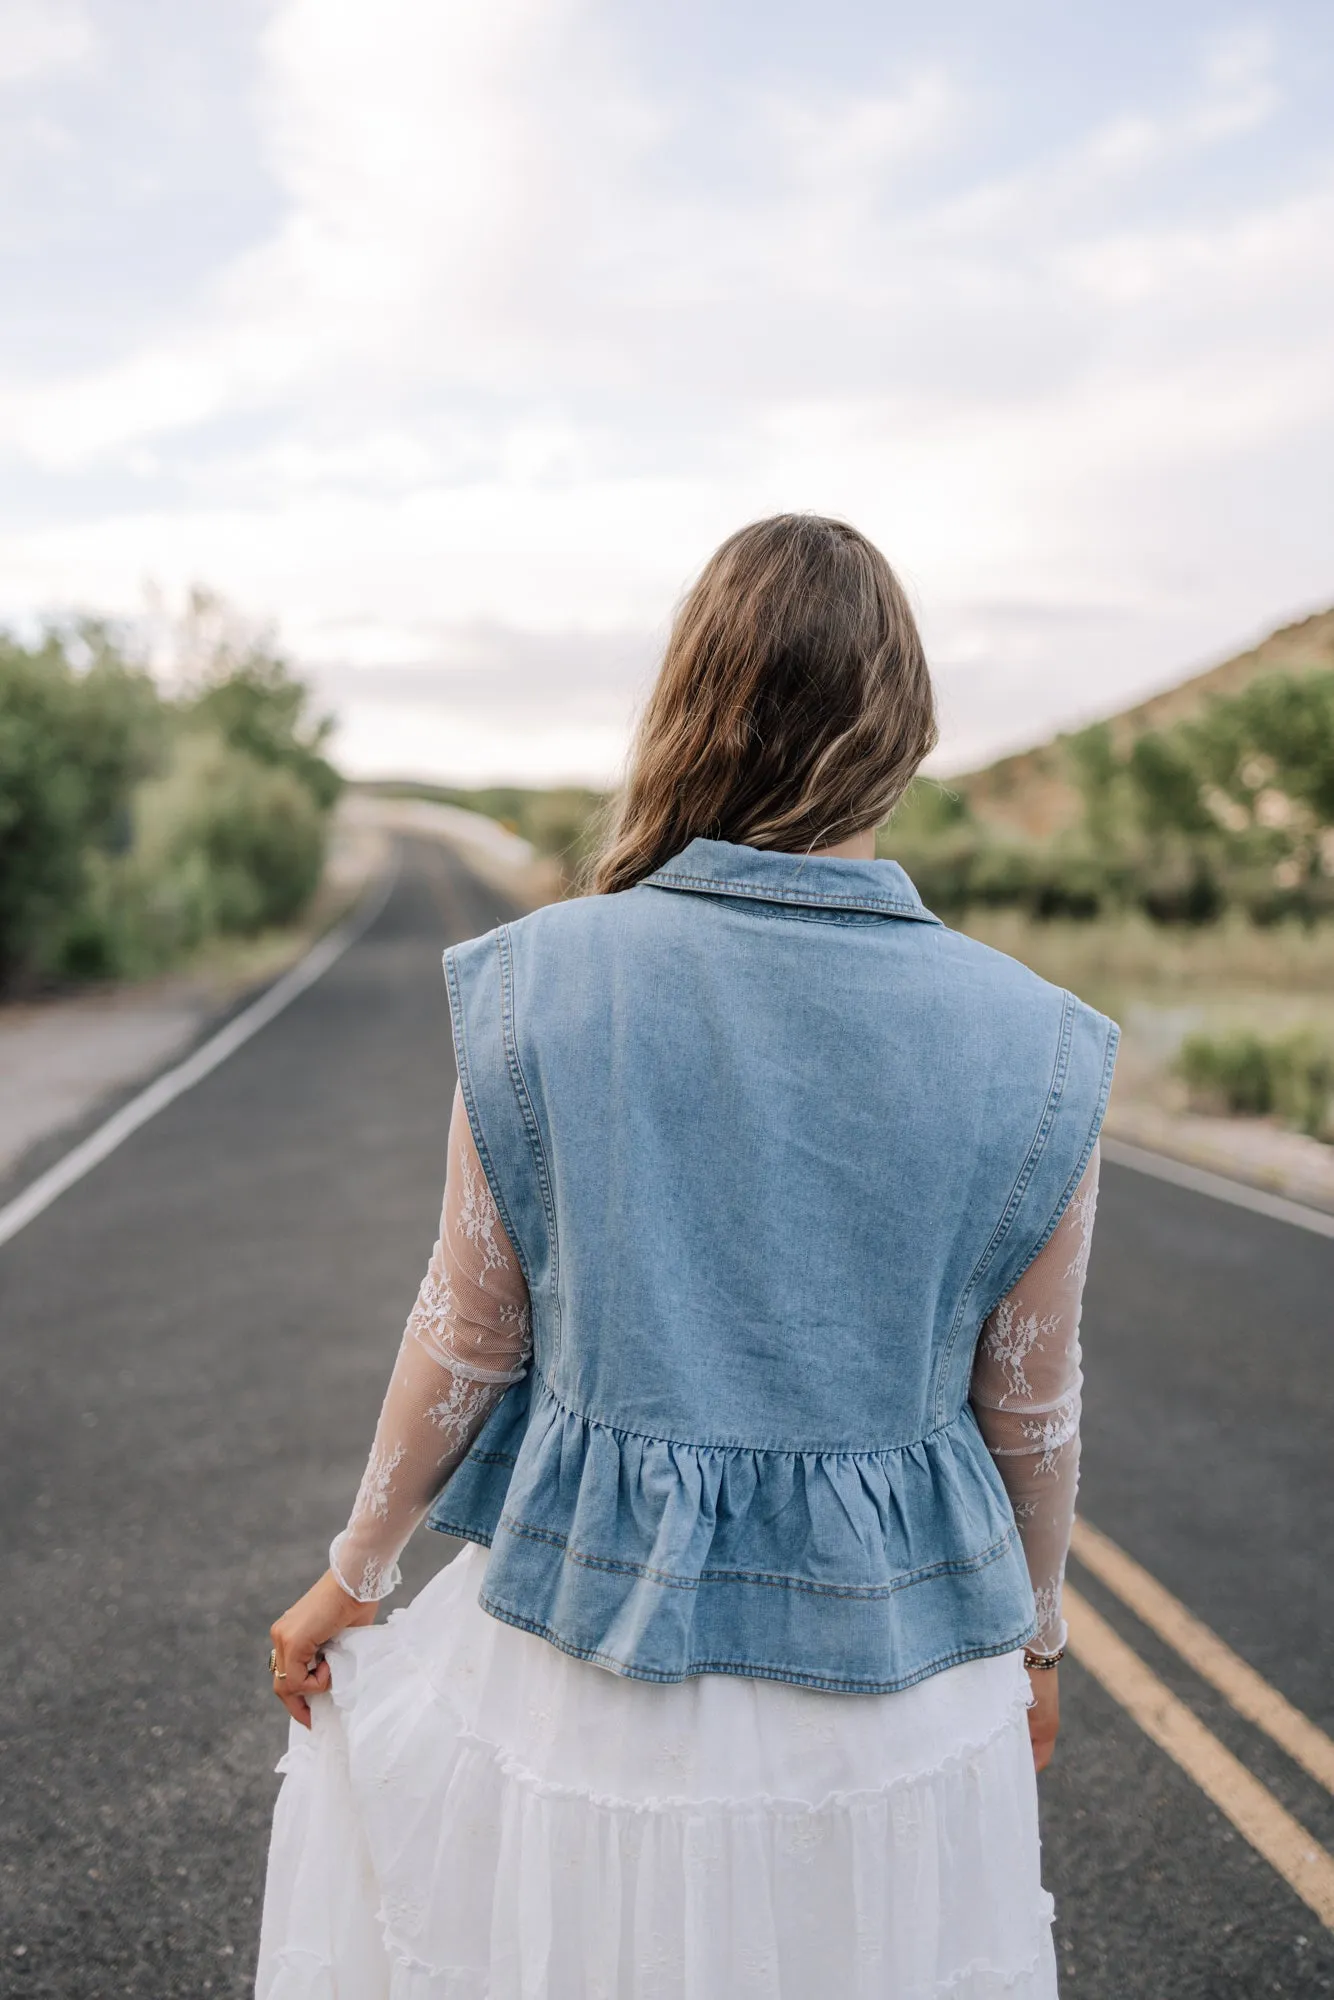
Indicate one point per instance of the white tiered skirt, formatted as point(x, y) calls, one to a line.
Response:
point(474, 1816)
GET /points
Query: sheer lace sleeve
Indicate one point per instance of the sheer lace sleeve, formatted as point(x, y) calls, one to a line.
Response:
point(1025, 1393)
point(467, 1338)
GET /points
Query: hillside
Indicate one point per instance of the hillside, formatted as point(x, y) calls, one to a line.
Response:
point(1031, 792)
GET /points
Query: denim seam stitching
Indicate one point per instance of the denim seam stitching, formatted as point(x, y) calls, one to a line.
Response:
point(830, 1683)
point(805, 913)
point(462, 1531)
point(463, 1068)
point(766, 1450)
point(1095, 1126)
point(1055, 1089)
point(869, 1593)
point(529, 1116)
point(893, 906)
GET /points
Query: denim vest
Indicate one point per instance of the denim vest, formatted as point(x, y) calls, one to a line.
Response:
point(770, 1143)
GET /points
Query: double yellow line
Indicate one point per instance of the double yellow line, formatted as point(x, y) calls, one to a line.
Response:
point(1251, 1807)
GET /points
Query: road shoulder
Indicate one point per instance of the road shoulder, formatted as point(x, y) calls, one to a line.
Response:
point(1250, 1150)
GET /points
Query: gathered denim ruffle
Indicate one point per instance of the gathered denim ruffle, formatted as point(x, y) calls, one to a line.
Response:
point(660, 1559)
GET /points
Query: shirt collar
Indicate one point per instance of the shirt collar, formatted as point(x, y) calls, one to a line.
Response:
point(814, 881)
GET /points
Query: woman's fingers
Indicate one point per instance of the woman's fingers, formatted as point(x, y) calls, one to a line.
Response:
point(1044, 1714)
point(297, 1707)
point(312, 1679)
point(296, 1683)
point(296, 1646)
point(299, 1671)
point(300, 1668)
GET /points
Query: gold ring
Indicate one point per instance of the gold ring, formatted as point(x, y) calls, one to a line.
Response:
point(273, 1664)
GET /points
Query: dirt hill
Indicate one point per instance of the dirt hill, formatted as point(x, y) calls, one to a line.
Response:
point(1031, 793)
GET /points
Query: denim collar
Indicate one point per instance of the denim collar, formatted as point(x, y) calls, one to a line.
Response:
point(721, 868)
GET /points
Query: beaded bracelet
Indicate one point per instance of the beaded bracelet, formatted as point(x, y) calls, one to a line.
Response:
point(1039, 1662)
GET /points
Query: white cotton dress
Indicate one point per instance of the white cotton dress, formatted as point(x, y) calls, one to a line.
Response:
point(475, 1815)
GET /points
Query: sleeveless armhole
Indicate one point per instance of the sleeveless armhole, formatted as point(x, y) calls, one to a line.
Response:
point(494, 1097)
point(1083, 1058)
point(1076, 1112)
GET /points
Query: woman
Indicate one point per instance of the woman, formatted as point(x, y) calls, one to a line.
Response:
point(749, 1349)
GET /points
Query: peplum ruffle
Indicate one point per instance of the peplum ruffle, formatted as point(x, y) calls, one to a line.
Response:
point(661, 1560)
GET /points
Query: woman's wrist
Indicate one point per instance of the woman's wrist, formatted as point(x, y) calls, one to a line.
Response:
point(1047, 1647)
point(377, 1578)
point(340, 1585)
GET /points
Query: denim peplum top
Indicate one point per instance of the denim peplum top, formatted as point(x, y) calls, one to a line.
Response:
point(770, 1142)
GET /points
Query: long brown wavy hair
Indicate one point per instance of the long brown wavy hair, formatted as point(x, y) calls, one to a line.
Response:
point(792, 707)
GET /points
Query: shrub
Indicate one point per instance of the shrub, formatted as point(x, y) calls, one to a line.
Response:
point(1304, 1083)
point(1231, 810)
point(967, 868)
point(256, 705)
point(131, 826)
point(1227, 1073)
point(226, 843)
point(1290, 1075)
point(72, 746)
point(1176, 883)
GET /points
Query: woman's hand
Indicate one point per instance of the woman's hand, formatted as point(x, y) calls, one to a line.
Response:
point(300, 1670)
point(1044, 1717)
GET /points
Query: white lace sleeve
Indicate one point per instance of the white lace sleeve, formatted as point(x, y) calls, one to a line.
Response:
point(467, 1338)
point(1025, 1394)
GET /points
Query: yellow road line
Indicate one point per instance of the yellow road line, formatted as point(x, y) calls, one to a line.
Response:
point(1249, 1693)
point(1254, 1811)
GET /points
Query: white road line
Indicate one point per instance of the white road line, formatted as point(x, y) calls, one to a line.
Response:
point(1212, 1659)
point(1252, 1808)
point(173, 1083)
point(1200, 1181)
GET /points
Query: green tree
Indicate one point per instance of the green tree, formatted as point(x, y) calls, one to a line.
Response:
point(132, 826)
point(1100, 775)
point(74, 742)
point(225, 843)
point(247, 694)
point(1165, 778)
point(1270, 750)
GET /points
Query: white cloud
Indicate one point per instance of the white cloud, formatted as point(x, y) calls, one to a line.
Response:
point(503, 365)
point(845, 144)
point(1240, 92)
point(37, 36)
point(1236, 94)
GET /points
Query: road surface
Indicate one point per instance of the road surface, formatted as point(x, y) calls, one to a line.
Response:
point(195, 1341)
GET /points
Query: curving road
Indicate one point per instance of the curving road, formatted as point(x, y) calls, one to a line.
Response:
point(194, 1343)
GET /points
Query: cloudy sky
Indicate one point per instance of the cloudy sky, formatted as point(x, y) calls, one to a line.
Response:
point(451, 337)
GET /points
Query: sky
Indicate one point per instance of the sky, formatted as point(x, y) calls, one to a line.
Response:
point(448, 340)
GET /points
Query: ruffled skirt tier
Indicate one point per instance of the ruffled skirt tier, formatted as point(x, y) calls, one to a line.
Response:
point(475, 1816)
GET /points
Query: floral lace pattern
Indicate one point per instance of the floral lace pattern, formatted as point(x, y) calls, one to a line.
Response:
point(373, 1493)
point(467, 1338)
point(1083, 1207)
point(459, 1414)
point(431, 1320)
point(1026, 1397)
point(1010, 1336)
point(1049, 1433)
point(479, 1219)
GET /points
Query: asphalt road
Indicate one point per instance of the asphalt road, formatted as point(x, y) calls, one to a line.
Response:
point(194, 1344)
